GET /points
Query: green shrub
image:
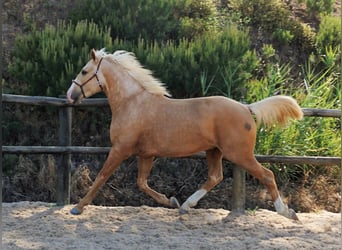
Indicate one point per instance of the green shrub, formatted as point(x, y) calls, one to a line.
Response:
point(284, 37)
point(268, 51)
point(198, 17)
point(47, 60)
point(330, 57)
point(149, 20)
point(315, 7)
point(304, 35)
point(266, 14)
point(329, 33)
point(312, 136)
point(224, 58)
point(273, 17)
point(130, 19)
point(221, 63)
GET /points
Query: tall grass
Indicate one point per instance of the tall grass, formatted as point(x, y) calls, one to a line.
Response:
point(312, 136)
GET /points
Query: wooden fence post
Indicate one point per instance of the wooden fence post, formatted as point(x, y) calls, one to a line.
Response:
point(64, 163)
point(239, 190)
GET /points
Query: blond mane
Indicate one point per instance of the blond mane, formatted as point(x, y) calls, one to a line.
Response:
point(128, 61)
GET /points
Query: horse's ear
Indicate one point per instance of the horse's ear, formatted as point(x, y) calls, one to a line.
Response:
point(93, 54)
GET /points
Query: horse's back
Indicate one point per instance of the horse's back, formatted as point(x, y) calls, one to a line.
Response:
point(214, 107)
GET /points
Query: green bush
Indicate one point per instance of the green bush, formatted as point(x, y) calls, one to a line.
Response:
point(224, 58)
point(284, 37)
point(198, 17)
point(312, 136)
point(266, 14)
point(130, 19)
point(149, 20)
point(273, 17)
point(315, 7)
point(304, 35)
point(46, 60)
point(329, 33)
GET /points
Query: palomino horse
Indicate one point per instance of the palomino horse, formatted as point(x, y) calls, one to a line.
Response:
point(148, 124)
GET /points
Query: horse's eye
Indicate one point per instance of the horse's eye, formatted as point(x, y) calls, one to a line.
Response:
point(84, 72)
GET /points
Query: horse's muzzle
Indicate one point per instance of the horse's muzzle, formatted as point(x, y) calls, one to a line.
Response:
point(74, 96)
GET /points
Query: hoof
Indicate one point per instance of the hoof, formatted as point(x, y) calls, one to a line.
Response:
point(174, 202)
point(183, 211)
point(75, 211)
point(292, 215)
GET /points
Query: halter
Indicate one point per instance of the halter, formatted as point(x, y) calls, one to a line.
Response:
point(94, 75)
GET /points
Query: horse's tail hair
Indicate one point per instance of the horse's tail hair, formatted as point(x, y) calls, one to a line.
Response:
point(276, 110)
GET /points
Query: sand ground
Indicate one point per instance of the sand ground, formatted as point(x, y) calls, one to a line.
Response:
point(38, 225)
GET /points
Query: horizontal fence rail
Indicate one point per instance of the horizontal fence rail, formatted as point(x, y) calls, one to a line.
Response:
point(65, 149)
point(309, 160)
point(52, 101)
point(63, 102)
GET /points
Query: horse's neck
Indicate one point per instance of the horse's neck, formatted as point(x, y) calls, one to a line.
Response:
point(120, 88)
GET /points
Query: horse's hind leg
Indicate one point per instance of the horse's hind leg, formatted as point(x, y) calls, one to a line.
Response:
point(266, 177)
point(215, 176)
point(144, 169)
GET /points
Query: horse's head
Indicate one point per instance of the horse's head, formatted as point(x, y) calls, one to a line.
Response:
point(87, 82)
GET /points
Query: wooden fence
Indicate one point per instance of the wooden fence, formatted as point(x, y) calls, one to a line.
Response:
point(65, 149)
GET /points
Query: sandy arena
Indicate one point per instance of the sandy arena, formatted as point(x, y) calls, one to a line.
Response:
point(38, 225)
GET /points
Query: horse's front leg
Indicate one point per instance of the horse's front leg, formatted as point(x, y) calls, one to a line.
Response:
point(215, 176)
point(144, 169)
point(112, 163)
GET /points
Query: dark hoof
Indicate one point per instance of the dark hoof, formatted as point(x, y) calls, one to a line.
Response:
point(75, 211)
point(183, 211)
point(293, 215)
point(174, 202)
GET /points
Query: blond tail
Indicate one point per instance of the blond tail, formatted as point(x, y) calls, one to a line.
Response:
point(276, 110)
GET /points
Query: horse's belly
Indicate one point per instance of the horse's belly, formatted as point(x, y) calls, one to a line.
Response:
point(176, 146)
